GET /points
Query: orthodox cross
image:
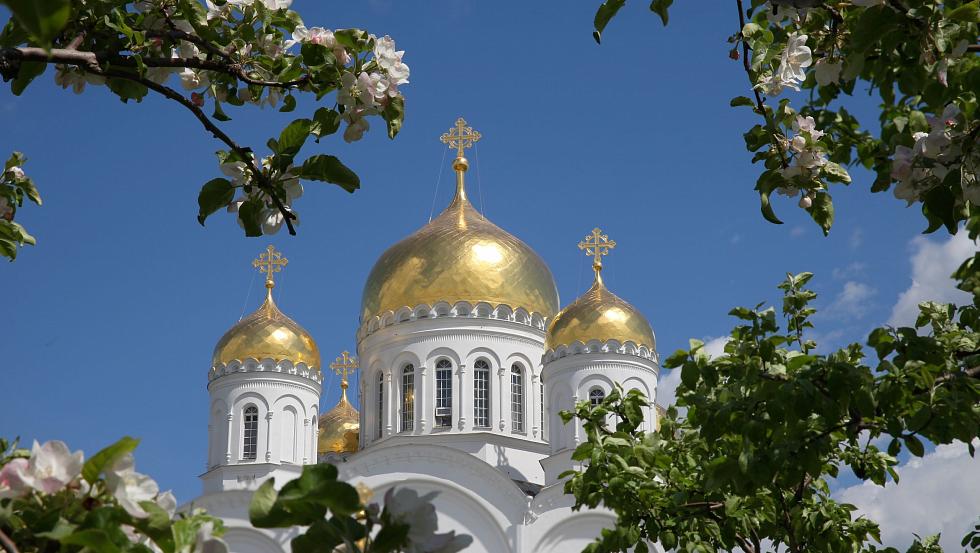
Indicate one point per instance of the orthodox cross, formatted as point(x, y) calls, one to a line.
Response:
point(460, 137)
point(270, 262)
point(343, 366)
point(597, 245)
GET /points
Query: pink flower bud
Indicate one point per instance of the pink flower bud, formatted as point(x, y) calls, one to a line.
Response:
point(806, 202)
point(197, 99)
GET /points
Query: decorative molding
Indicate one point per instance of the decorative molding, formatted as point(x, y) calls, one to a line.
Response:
point(265, 366)
point(597, 346)
point(459, 310)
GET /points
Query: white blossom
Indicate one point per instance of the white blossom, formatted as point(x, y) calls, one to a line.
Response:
point(794, 58)
point(356, 89)
point(191, 79)
point(68, 76)
point(391, 60)
point(13, 480)
point(356, 127)
point(235, 170)
point(15, 172)
point(207, 542)
point(407, 507)
point(52, 466)
point(827, 72)
point(277, 4)
point(807, 125)
point(130, 487)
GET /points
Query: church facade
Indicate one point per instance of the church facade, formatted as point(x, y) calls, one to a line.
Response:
point(466, 360)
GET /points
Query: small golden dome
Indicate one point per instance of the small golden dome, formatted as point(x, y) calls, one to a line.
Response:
point(267, 333)
point(599, 314)
point(460, 256)
point(339, 427)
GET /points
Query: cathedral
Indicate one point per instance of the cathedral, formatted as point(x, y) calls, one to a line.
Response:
point(465, 359)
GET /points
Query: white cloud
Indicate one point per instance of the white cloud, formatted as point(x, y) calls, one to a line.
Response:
point(937, 494)
point(857, 238)
point(852, 302)
point(851, 270)
point(797, 231)
point(670, 379)
point(932, 263)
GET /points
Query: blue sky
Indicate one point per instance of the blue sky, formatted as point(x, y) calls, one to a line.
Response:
point(109, 322)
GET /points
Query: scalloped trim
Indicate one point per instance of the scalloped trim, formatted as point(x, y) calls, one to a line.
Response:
point(460, 309)
point(265, 365)
point(597, 346)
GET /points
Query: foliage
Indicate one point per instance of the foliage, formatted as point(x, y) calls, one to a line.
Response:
point(226, 53)
point(769, 423)
point(53, 500)
point(14, 187)
point(407, 522)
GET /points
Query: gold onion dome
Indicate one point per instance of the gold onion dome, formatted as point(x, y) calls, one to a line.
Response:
point(599, 314)
point(267, 333)
point(340, 426)
point(460, 256)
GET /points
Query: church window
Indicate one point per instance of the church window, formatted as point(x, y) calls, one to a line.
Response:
point(541, 399)
point(444, 393)
point(408, 398)
point(250, 440)
point(517, 398)
point(381, 405)
point(481, 394)
point(596, 395)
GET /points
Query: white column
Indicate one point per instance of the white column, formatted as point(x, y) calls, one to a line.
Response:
point(207, 462)
point(465, 401)
point(500, 394)
point(390, 400)
point(306, 442)
point(576, 425)
point(533, 403)
point(268, 437)
point(228, 448)
point(421, 393)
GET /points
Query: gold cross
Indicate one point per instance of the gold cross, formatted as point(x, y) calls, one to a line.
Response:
point(343, 366)
point(270, 262)
point(597, 245)
point(462, 138)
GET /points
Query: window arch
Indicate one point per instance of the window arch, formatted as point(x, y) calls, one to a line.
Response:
point(250, 435)
point(381, 405)
point(596, 395)
point(481, 393)
point(444, 393)
point(408, 398)
point(517, 397)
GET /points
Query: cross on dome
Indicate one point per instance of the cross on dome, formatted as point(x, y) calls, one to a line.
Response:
point(460, 137)
point(343, 366)
point(270, 262)
point(597, 245)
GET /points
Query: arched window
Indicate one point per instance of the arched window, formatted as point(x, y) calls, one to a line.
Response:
point(596, 395)
point(250, 437)
point(541, 388)
point(408, 398)
point(381, 405)
point(481, 394)
point(444, 393)
point(517, 397)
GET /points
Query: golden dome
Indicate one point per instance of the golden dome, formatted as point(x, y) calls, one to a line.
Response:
point(339, 427)
point(460, 256)
point(267, 333)
point(599, 314)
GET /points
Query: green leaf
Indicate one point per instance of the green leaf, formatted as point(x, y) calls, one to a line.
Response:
point(250, 214)
point(288, 103)
point(328, 168)
point(767, 211)
point(914, 445)
point(690, 375)
point(263, 511)
point(741, 101)
point(325, 122)
point(104, 459)
point(93, 539)
point(219, 113)
point(215, 194)
point(660, 8)
point(43, 19)
point(835, 173)
point(607, 10)
point(394, 115)
point(127, 89)
point(29, 70)
point(292, 138)
point(822, 211)
point(969, 13)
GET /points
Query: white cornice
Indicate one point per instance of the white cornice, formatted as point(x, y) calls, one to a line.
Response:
point(460, 309)
point(597, 346)
point(251, 365)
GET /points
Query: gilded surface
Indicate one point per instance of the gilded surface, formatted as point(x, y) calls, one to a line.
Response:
point(599, 315)
point(460, 256)
point(339, 428)
point(267, 333)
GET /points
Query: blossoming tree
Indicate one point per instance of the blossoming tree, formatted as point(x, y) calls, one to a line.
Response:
point(768, 424)
point(210, 57)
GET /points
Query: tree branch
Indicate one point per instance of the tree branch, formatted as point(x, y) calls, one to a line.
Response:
point(7, 543)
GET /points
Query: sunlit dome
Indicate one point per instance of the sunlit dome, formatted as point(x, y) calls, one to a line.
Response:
point(460, 256)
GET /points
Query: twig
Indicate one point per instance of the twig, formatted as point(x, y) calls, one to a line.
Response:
point(7, 543)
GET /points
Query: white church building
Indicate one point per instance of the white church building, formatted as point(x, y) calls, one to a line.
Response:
point(465, 361)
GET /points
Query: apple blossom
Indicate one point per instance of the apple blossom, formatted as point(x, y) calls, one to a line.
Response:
point(406, 506)
point(130, 487)
point(796, 56)
point(197, 99)
point(12, 480)
point(192, 79)
point(391, 60)
point(356, 127)
point(207, 542)
point(15, 172)
point(827, 72)
point(52, 466)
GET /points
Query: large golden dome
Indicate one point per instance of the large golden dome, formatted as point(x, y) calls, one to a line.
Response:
point(599, 314)
point(267, 333)
point(460, 256)
point(339, 428)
